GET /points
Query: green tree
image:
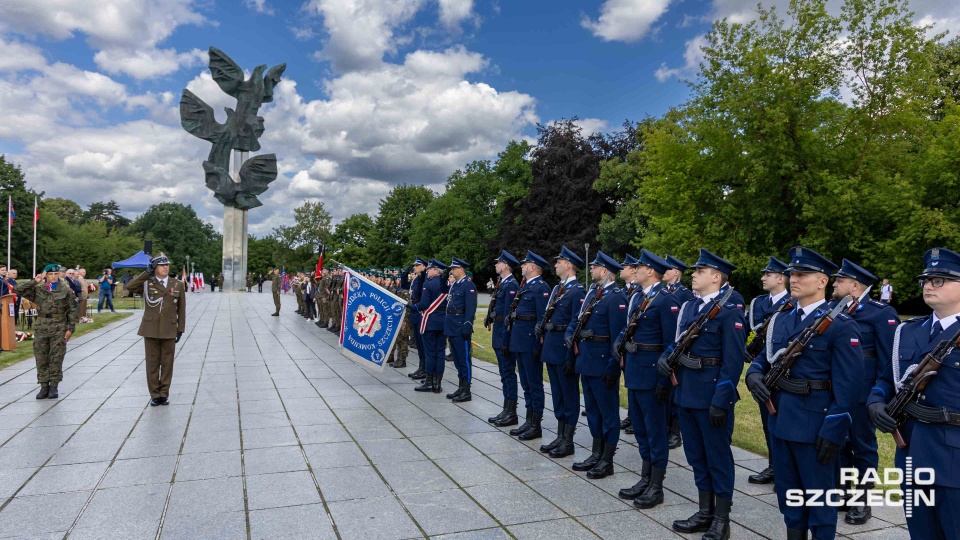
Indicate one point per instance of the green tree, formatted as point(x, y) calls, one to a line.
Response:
point(177, 231)
point(387, 245)
point(106, 212)
point(13, 187)
point(64, 209)
point(311, 227)
point(89, 245)
point(350, 238)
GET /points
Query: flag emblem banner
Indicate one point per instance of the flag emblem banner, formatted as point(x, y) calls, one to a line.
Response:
point(371, 321)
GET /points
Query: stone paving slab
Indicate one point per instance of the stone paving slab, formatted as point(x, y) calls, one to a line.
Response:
point(272, 433)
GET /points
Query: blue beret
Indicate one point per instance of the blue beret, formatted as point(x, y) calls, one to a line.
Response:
point(709, 260)
point(507, 258)
point(676, 263)
point(941, 262)
point(606, 261)
point(459, 263)
point(566, 253)
point(51, 268)
point(630, 260)
point(436, 264)
point(776, 266)
point(807, 260)
point(648, 258)
point(849, 269)
point(535, 259)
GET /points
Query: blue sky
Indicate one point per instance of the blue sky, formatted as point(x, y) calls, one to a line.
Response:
point(376, 92)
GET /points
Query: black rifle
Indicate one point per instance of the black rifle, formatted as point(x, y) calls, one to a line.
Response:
point(915, 383)
point(508, 323)
point(686, 339)
point(760, 335)
point(584, 317)
point(539, 331)
point(488, 320)
point(784, 359)
point(632, 326)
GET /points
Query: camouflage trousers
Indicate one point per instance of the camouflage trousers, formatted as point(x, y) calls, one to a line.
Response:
point(49, 352)
point(276, 301)
point(300, 303)
point(401, 349)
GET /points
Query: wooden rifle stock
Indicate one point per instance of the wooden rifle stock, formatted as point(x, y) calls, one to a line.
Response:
point(760, 337)
point(690, 334)
point(584, 317)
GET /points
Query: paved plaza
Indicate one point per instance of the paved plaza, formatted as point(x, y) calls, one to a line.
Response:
point(272, 433)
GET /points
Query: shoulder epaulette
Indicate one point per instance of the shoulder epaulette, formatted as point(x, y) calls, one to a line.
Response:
point(916, 319)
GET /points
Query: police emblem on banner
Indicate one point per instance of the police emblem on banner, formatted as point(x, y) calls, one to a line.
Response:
point(372, 317)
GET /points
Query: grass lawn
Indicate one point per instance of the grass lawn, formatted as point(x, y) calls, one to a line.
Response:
point(25, 348)
point(118, 303)
point(748, 430)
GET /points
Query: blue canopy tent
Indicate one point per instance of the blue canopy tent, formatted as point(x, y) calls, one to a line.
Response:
point(140, 260)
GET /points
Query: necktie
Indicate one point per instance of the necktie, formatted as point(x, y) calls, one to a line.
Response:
point(936, 330)
point(698, 304)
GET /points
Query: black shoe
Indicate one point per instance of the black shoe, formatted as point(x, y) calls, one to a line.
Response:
point(320, 325)
point(763, 477)
point(604, 467)
point(503, 411)
point(277, 314)
point(592, 460)
point(154, 402)
point(858, 515)
point(437, 381)
point(546, 448)
point(418, 375)
point(523, 427)
point(653, 496)
point(52, 393)
point(797, 534)
point(720, 527)
point(674, 440)
point(163, 401)
point(323, 324)
point(449, 358)
point(628, 430)
point(625, 423)
point(702, 519)
point(637, 489)
point(583, 413)
point(464, 395)
point(509, 417)
point(456, 392)
point(426, 385)
point(44, 391)
point(400, 364)
point(565, 448)
point(533, 431)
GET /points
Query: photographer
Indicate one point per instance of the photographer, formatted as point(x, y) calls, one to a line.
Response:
point(106, 283)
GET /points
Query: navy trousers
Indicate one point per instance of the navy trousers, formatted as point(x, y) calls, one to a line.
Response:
point(566, 395)
point(860, 450)
point(435, 345)
point(507, 364)
point(531, 380)
point(797, 468)
point(460, 349)
point(603, 409)
point(707, 449)
point(421, 353)
point(764, 417)
point(649, 420)
point(939, 522)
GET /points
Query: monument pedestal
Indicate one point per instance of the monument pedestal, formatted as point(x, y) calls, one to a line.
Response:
point(234, 249)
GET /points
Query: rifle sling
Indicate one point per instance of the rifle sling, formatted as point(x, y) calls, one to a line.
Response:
point(699, 362)
point(596, 339)
point(931, 415)
point(802, 387)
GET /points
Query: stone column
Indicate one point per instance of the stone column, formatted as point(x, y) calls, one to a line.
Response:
point(235, 238)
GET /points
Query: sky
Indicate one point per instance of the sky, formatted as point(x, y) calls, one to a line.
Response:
point(376, 93)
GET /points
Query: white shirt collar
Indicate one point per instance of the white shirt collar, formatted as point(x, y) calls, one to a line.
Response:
point(708, 298)
point(946, 321)
point(163, 280)
point(568, 280)
point(812, 307)
point(777, 298)
point(648, 289)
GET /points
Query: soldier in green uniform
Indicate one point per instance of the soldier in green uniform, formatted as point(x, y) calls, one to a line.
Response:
point(323, 300)
point(275, 289)
point(298, 291)
point(56, 321)
point(401, 348)
point(336, 302)
point(163, 323)
point(249, 282)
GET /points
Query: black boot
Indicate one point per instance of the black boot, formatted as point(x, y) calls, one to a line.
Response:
point(320, 324)
point(503, 411)
point(456, 392)
point(653, 496)
point(400, 362)
point(52, 393)
point(720, 528)
point(465, 395)
point(534, 431)
point(426, 385)
point(591, 460)
point(625, 423)
point(546, 448)
point(523, 427)
point(604, 467)
point(763, 477)
point(437, 381)
point(44, 391)
point(701, 520)
point(418, 374)
point(637, 489)
point(796, 534)
point(510, 415)
point(565, 448)
point(673, 437)
point(860, 514)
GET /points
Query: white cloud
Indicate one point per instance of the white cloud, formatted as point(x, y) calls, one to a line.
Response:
point(625, 20)
point(454, 12)
point(148, 63)
point(692, 56)
point(260, 6)
point(589, 126)
point(15, 56)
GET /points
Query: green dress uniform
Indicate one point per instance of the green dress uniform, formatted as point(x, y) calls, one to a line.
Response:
point(164, 318)
point(56, 314)
point(403, 336)
point(275, 289)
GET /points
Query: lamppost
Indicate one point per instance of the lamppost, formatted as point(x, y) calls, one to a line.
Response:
point(586, 259)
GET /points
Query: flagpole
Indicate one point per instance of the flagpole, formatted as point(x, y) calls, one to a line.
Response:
point(36, 215)
point(9, 227)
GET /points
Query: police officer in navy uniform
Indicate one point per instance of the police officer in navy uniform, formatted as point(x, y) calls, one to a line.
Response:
point(567, 298)
point(706, 396)
point(504, 294)
point(524, 343)
point(932, 427)
point(434, 343)
point(598, 366)
point(877, 323)
point(458, 326)
point(656, 310)
point(774, 281)
point(674, 285)
point(811, 424)
point(627, 274)
point(416, 291)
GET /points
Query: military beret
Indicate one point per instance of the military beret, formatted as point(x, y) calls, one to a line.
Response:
point(51, 268)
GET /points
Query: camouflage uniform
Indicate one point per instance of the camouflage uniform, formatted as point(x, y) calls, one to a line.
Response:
point(56, 313)
point(298, 291)
point(275, 289)
point(336, 303)
point(401, 349)
point(323, 300)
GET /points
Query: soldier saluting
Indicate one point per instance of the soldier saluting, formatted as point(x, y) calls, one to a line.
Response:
point(56, 320)
point(164, 318)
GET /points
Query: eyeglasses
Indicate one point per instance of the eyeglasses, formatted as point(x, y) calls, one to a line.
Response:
point(936, 282)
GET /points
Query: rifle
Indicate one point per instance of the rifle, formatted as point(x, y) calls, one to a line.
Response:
point(686, 339)
point(632, 327)
point(915, 380)
point(856, 303)
point(508, 322)
point(584, 317)
point(551, 307)
point(760, 335)
point(488, 320)
point(787, 356)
